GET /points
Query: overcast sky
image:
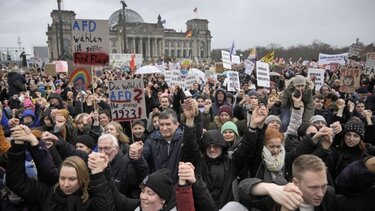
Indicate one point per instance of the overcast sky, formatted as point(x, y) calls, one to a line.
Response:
point(248, 22)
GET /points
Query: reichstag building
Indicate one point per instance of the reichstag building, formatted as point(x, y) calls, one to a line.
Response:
point(151, 40)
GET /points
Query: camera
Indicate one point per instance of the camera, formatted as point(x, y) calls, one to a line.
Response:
point(297, 94)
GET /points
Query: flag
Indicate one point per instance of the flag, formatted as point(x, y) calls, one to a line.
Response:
point(195, 10)
point(164, 21)
point(132, 63)
point(269, 57)
point(232, 50)
point(252, 54)
point(189, 33)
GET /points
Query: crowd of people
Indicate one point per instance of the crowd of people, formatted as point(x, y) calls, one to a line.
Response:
point(287, 147)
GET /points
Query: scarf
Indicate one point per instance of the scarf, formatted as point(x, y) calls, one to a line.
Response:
point(274, 163)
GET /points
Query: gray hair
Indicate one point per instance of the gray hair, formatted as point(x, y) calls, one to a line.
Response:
point(111, 137)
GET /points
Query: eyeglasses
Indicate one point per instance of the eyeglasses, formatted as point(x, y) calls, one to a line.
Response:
point(105, 149)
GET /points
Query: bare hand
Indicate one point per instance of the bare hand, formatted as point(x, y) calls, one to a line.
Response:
point(186, 173)
point(97, 162)
point(13, 122)
point(135, 150)
point(286, 196)
point(258, 116)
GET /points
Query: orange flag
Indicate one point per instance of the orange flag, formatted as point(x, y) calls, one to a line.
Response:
point(132, 63)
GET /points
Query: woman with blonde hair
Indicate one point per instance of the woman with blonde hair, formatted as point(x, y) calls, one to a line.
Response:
point(72, 191)
point(116, 130)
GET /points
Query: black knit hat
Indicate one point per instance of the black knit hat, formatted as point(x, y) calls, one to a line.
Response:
point(213, 137)
point(355, 126)
point(161, 182)
point(86, 140)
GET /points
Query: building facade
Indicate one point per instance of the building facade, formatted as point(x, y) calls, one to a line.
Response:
point(151, 40)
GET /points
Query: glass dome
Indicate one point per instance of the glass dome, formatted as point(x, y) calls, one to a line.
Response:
point(131, 17)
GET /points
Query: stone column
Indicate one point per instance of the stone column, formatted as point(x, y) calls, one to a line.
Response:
point(140, 46)
point(134, 46)
point(148, 48)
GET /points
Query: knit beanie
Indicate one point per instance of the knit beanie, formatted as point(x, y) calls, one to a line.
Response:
point(355, 126)
point(252, 93)
point(27, 103)
point(86, 140)
point(272, 118)
point(317, 118)
point(227, 109)
point(229, 126)
point(299, 80)
point(160, 182)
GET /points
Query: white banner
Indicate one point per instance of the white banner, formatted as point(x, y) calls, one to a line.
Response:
point(90, 40)
point(174, 78)
point(233, 82)
point(319, 77)
point(249, 65)
point(263, 74)
point(225, 57)
point(332, 58)
point(127, 100)
point(121, 60)
point(370, 63)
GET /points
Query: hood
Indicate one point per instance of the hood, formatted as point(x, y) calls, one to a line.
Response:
point(213, 137)
point(221, 90)
point(28, 112)
point(55, 95)
point(309, 84)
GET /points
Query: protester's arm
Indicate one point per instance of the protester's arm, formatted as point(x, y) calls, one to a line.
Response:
point(296, 116)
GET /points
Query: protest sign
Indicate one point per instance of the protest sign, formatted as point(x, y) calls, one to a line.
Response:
point(90, 42)
point(319, 77)
point(121, 60)
point(225, 57)
point(332, 58)
point(263, 74)
point(249, 65)
point(219, 68)
point(50, 69)
point(233, 82)
point(349, 79)
point(61, 66)
point(370, 63)
point(127, 100)
point(236, 59)
point(80, 77)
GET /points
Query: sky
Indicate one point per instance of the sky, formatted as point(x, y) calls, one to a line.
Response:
point(248, 23)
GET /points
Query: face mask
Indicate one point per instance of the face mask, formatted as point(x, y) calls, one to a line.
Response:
point(201, 109)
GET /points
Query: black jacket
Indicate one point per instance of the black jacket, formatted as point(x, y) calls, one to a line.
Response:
point(49, 197)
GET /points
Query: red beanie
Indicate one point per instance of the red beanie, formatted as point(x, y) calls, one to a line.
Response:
point(227, 109)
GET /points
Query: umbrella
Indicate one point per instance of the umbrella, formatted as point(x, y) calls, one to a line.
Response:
point(198, 73)
point(274, 74)
point(148, 69)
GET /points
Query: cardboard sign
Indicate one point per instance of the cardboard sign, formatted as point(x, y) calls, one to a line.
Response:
point(233, 81)
point(80, 77)
point(90, 40)
point(127, 100)
point(263, 74)
point(50, 69)
point(319, 77)
point(249, 65)
point(350, 79)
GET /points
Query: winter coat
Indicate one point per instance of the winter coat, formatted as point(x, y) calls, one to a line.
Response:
point(307, 99)
point(4, 143)
point(218, 173)
point(16, 83)
point(49, 197)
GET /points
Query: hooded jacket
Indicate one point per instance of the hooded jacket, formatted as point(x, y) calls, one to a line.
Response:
point(221, 172)
point(216, 105)
point(16, 83)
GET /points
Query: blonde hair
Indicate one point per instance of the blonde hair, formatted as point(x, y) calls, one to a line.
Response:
point(121, 135)
point(82, 174)
point(305, 163)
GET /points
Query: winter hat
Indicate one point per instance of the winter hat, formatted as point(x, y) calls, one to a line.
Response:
point(27, 103)
point(355, 126)
point(229, 126)
point(252, 93)
point(227, 109)
point(299, 80)
point(86, 140)
point(362, 90)
point(160, 182)
point(213, 137)
point(317, 118)
point(272, 118)
point(54, 95)
point(359, 101)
